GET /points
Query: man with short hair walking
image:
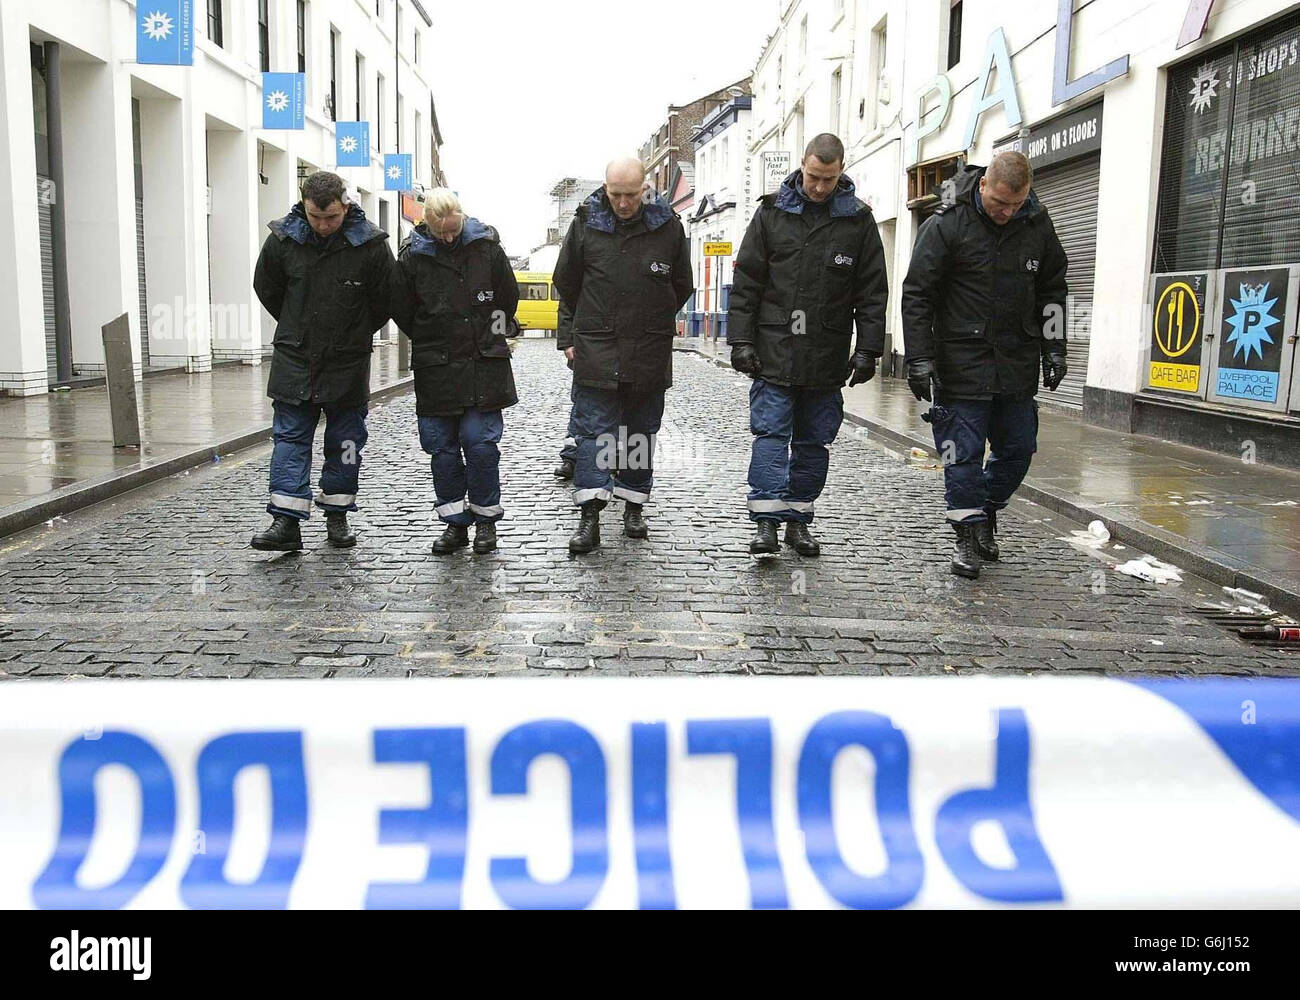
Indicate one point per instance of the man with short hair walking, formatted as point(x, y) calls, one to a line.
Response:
point(323, 273)
point(983, 311)
point(622, 274)
point(811, 268)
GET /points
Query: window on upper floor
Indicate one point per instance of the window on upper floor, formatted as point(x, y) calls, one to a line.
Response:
point(216, 23)
point(264, 35)
point(301, 6)
point(954, 33)
point(333, 101)
point(878, 83)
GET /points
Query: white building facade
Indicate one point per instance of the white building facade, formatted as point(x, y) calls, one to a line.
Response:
point(169, 179)
point(1163, 135)
point(725, 198)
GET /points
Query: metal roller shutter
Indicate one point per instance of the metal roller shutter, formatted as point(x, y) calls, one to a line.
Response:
point(1070, 195)
point(46, 214)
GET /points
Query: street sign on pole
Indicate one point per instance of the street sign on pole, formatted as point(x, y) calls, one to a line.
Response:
point(717, 249)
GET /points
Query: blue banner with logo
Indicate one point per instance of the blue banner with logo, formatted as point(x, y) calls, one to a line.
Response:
point(397, 171)
point(352, 144)
point(164, 32)
point(284, 100)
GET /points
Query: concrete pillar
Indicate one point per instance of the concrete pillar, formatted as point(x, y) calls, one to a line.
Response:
point(100, 203)
point(169, 246)
point(198, 331)
point(236, 317)
point(1126, 209)
point(22, 308)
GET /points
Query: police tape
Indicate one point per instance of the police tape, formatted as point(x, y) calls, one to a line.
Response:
point(680, 792)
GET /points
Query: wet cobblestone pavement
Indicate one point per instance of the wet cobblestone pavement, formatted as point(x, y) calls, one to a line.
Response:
point(161, 583)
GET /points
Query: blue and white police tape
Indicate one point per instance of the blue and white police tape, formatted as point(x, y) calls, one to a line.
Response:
point(717, 792)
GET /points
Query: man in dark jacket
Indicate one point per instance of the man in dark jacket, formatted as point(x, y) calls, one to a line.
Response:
point(810, 268)
point(622, 274)
point(323, 273)
point(983, 310)
point(455, 295)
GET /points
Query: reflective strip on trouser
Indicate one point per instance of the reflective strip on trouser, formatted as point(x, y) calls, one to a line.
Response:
point(972, 486)
point(583, 496)
point(448, 510)
point(766, 508)
point(793, 429)
point(295, 504)
point(465, 462)
point(343, 501)
point(293, 429)
point(615, 430)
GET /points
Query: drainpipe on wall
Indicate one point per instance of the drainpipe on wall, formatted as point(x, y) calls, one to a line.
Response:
point(58, 218)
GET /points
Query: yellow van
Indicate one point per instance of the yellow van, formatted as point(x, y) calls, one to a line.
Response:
point(539, 302)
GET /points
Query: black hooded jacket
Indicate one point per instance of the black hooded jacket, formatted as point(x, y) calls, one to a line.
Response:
point(456, 304)
point(620, 285)
point(328, 298)
point(984, 302)
point(807, 274)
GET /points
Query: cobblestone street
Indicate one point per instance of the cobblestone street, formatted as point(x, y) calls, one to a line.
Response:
point(161, 583)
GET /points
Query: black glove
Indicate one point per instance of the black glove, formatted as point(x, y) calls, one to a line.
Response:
point(1054, 369)
point(744, 359)
point(920, 373)
point(862, 368)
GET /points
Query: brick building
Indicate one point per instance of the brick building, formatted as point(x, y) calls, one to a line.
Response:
point(669, 154)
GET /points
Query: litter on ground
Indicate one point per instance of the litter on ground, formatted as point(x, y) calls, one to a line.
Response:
point(1151, 569)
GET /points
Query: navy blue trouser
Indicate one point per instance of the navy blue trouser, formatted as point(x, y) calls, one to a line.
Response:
point(972, 487)
point(615, 431)
point(465, 462)
point(793, 430)
point(293, 427)
point(569, 452)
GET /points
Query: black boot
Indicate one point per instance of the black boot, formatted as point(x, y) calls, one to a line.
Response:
point(338, 532)
point(764, 540)
point(453, 537)
point(798, 536)
point(564, 470)
point(282, 536)
point(986, 541)
point(966, 557)
point(485, 536)
point(633, 524)
point(587, 537)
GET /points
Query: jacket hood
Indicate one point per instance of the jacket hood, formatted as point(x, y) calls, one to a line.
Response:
point(600, 214)
point(357, 229)
point(422, 241)
point(967, 183)
point(844, 200)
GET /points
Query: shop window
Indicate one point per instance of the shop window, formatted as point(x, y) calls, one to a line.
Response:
point(1228, 183)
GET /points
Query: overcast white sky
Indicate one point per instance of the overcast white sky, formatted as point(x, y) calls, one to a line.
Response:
point(529, 91)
